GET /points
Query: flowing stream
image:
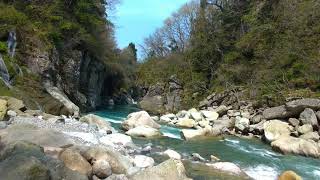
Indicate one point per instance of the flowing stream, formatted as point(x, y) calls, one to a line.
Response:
point(253, 156)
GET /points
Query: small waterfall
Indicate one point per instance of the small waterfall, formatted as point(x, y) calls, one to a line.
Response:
point(4, 74)
point(12, 43)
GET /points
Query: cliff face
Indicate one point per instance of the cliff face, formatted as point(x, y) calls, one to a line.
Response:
point(63, 51)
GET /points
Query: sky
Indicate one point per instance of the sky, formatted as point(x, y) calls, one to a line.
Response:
point(137, 19)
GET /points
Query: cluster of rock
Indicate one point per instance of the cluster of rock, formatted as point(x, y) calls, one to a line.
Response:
point(36, 145)
point(290, 128)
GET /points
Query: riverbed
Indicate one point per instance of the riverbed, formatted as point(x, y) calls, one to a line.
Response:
point(253, 156)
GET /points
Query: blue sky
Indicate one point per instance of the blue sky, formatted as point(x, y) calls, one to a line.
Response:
point(136, 19)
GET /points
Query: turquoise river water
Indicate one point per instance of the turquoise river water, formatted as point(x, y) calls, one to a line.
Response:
point(253, 156)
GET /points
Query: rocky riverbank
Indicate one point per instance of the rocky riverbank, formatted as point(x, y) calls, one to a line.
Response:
point(292, 128)
point(36, 145)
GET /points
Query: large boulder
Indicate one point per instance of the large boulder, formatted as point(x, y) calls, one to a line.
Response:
point(275, 129)
point(298, 146)
point(3, 109)
point(101, 123)
point(170, 169)
point(309, 117)
point(301, 104)
point(186, 123)
point(14, 104)
point(139, 119)
point(143, 161)
point(42, 137)
point(74, 161)
point(23, 160)
point(119, 163)
point(117, 139)
point(144, 131)
point(219, 170)
point(189, 134)
point(24, 168)
point(279, 112)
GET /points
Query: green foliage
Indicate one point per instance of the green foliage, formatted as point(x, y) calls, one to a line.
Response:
point(3, 47)
point(270, 47)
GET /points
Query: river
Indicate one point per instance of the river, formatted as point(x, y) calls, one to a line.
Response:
point(253, 156)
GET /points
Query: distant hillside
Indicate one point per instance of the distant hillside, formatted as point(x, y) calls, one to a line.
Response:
point(269, 47)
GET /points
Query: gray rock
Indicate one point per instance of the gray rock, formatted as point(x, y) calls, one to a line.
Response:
point(301, 104)
point(170, 169)
point(3, 109)
point(279, 112)
point(101, 168)
point(256, 119)
point(117, 139)
point(119, 163)
point(222, 110)
point(172, 154)
point(309, 117)
point(42, 137)
point(3, 125)
point(294, 122)
point(74, 161)
point(242, 124)
point(101, 123)
point(318, 115)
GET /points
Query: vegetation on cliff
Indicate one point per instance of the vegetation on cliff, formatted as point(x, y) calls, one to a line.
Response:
point(57, 38)
point(267, 47)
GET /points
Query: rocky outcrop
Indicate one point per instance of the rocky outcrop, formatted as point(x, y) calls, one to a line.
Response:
point(163, 97)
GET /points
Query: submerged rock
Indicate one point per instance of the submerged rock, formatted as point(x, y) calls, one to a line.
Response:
point(298, 146)
point(170, 169)
point(144, 131)
point(139, 119)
